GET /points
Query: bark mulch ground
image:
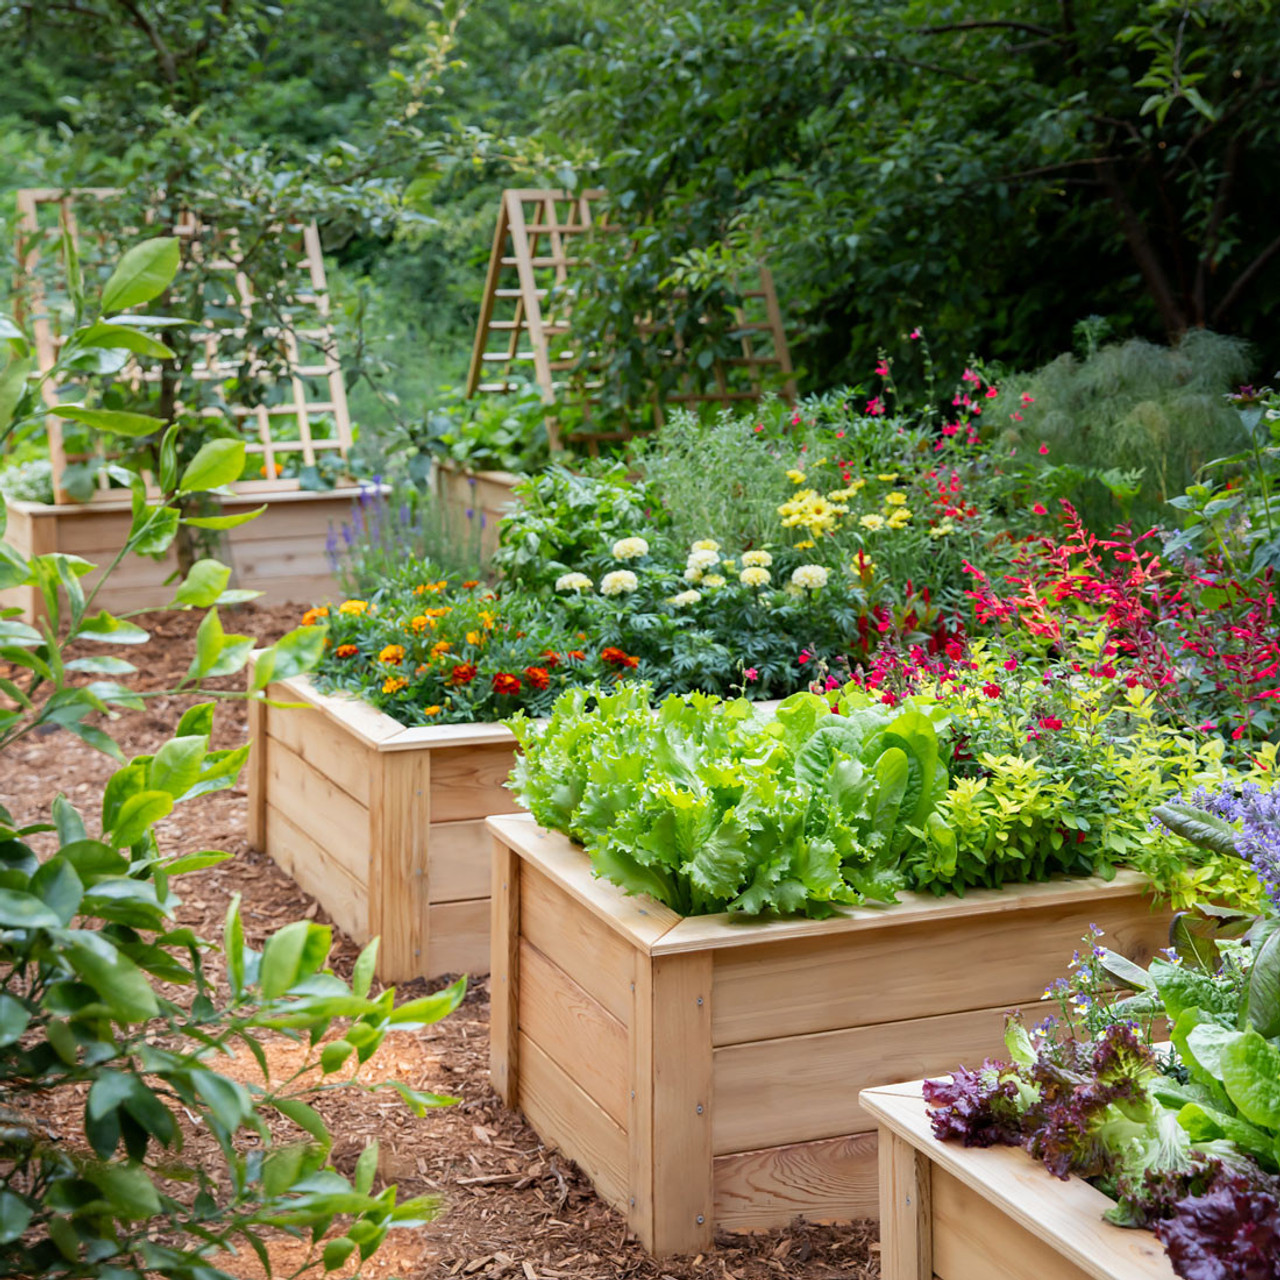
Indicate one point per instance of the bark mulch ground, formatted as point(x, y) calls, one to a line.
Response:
point(509, 1205)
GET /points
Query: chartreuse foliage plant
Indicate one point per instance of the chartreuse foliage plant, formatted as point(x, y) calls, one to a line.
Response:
point(111, 1011)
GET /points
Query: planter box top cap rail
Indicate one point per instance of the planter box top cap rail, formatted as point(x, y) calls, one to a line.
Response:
point(659, 931)
point(1065, 1216)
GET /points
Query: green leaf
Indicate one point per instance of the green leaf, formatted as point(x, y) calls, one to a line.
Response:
point(15, 1215)
point(1250, 1069)
point(429, 1009)
point(13, 383)
point(1264, 989)
point(196, 721)
point(219, 462)
point(175, 768)
point(14, 1017)
point(202, 586)
point(366, 1167)
point(282, 959)
point(197, 861)
point(334, 1054)
point(363, 970)
point(228, 1101)
point(104, 665)
point(281, 1168)
point(304, 1117)
point(115, 337)
point(110, 630)
point(26, 911)
point(137, 816)
point(120, 984)
point(144, 272)
point(127, 1188)
point(297, 652)
point(224, 522)
point(336, 1252)
point(116, 421)
point(233, 945)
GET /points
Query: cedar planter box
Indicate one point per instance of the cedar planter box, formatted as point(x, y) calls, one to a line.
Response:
point(955, 1213)
point(475, 500)
point(281, 553)
point(382, 824)
point(705, 1072)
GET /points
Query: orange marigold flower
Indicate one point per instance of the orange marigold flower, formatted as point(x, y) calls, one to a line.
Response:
point(441, 611)
point(538, 677)
point(552, 657)
point(393, 684)
point(616, 657)
point(312, 616)
point(471, 582)
point(577, 655)
point(506, 683)
point(354, 606)
point(420, 668)
point(345, 651)
point(428, 588)
point(392, 653)
point(433, 710)
point(475, 637)
point(463, 673)
point(421, 623)
point(440, 648)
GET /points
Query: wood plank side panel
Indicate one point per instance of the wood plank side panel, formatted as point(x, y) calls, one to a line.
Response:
point(504, 983)
point(566, 1118)
point(973, 1240)
point(575, 1031)
point(458, 938)
point(599, 960)
point(998, 960)
point(458, 855)
point(830, 1181)
point(802, 1088)
point(469, 782)
point(310, 734)
point(399, 827)
point(345, 898)
point(256, 821)
point(335, 821)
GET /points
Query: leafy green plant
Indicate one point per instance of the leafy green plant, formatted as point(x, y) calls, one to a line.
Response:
point(108, 1005)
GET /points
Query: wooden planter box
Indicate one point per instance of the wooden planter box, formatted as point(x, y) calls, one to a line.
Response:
point(382, 824)
point(705, 1072)
point(948, 1212)
point(475, 502)
point(281, 553)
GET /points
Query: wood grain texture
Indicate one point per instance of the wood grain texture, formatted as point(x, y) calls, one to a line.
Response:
point(458, 855)
point(335, 821)
point(470, 782)
point(566, 1118)
point(800, 1088)
point(504, 975)
point(597, 958)
point(294, 851)
point(578, 1033)
point(399, 892)
point(640, 1117)
point(343, 759)
point(683, 1207)
point(847, 979)
point(256, 773)
point(906, 1211)
point(458, 938)
point(829, 1181)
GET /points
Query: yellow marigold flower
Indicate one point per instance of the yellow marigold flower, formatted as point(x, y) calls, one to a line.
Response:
point(441, 647)
point(897, 498)
point(863, 568)
point(354, 606)
point(899, 518)
point(705, 544)
point(713, 580)
point(475, 637)
point(487, 619)
point(433, 710)
point(851, 490)
point(729, 564)
point(755, 576)
point(756, 559)
point(392, 653)
point(807, 545)
point(393, 684)
point(312, 616)
point(796, 477)
point(941, 530)
point(872, 522)
point(428, 588)
point(421, 623)
point(889, 479)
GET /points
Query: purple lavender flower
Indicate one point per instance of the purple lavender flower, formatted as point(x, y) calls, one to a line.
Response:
point(1258, 813)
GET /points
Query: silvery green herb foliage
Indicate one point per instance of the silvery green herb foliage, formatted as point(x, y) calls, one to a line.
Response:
point(713, 806)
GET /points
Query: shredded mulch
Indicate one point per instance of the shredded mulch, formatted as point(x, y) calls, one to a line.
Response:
point(509, 1205)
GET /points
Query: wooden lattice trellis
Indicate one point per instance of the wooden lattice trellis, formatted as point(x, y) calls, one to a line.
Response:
point(310, 374)
point(525, 323)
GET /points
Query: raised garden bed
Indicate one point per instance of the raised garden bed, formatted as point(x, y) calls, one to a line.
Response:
point(281, 553)
point(949, 1212)
point(473, 498)
point(705, 1072)
point(384, 825)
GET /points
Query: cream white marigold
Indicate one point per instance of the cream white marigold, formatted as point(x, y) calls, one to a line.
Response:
point(630, 549)
point(713, 580)
point(685, 598)
point(692, 575)
point(705, 544)
point(702, 558)
point(756, 559)
point(621, 582)
point(809, 577)
point(755, 576)
point(574, 582)
point(872, 522)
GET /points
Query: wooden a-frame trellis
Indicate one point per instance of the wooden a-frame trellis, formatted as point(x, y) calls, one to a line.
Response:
point(305, 374)
point(525, 321)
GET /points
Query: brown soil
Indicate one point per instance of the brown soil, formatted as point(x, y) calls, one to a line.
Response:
point(510, 1206)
